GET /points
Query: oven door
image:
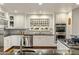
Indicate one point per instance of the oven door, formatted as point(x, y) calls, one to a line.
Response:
point(60, 37)
point(60, 29)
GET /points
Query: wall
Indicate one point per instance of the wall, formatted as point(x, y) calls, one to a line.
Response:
point(75, 21)
point(69, 27)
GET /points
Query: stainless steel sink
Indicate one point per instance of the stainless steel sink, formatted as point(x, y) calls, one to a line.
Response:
point(27, 52)
point(35, 52)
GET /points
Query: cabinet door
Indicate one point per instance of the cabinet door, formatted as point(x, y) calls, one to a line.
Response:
point(6, 43)
point(61, 18)
point(18, 40)
point(9, 42)
point(19, 19)
point(14, 40)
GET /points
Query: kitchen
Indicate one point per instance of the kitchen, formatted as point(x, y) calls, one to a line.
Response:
point(31, 28)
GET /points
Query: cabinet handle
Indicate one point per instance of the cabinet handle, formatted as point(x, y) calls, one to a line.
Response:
point(24, 43)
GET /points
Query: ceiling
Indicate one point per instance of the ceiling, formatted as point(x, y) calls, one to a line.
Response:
point(35, 7)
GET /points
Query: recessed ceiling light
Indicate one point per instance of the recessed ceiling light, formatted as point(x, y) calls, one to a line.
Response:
point(15, 11)
point(40, 3)
point(1, 3)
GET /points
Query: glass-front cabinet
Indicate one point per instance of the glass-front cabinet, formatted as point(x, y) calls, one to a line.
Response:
point(39, 24)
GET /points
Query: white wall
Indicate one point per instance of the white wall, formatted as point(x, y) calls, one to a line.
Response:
point(69, 27)
point(75, 21)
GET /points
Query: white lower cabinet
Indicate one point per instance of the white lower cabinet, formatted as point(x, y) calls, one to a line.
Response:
point(10, 41)
point(16, 40)
point(7, 43)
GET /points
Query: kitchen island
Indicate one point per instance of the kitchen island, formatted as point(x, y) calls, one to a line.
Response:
point(39, 43)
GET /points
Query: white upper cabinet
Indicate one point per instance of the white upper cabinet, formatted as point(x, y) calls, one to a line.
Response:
point(19, 21)
point(61, 18)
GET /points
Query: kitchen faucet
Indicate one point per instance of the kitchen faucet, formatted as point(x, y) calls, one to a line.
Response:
point(21, 40)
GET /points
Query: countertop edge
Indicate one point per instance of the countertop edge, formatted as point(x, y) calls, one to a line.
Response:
point(70, 47)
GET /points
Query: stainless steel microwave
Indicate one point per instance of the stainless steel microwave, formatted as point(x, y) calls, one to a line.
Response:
point(60, 28)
